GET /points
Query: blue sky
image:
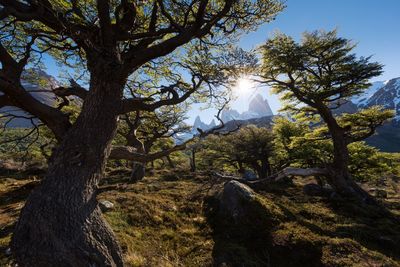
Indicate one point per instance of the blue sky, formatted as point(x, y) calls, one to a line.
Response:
point(373, 24)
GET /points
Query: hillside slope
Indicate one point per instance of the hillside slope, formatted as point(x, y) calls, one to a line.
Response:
point(169, 219)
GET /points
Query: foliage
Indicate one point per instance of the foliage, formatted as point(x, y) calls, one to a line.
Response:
point(301, 145)
point(316, 77)
point(250, 146)
point(368, 164)
point(23, 144)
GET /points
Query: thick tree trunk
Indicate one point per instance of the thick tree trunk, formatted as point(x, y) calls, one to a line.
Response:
point(61, 223)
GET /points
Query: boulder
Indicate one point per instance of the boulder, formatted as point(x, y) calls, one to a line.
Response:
point(234, 199)
point(105, 205)
point(249, 175)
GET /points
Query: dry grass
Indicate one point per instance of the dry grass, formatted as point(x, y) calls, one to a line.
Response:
point(165, 221)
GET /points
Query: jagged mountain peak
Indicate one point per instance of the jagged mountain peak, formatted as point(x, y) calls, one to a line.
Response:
point(260, 106)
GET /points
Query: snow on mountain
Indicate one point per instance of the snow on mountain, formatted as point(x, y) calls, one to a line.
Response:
point(230, 115)
point(258, 107)
point(39, 85)
point(362, 99)
point(387, 96)
point(199, 124)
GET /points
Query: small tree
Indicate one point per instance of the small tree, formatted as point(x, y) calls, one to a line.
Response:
point(296, 140)
point(250, 146)
point(315, 77)
point(145, 130)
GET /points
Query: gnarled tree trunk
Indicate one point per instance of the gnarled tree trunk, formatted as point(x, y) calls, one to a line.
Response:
point(61, 223)
point(339, 177)
point(138, 168)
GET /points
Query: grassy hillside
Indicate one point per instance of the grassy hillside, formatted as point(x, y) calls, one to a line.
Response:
point(170, 219)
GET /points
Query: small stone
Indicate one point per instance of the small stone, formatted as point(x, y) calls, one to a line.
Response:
point(106, 205)
point(248, 175)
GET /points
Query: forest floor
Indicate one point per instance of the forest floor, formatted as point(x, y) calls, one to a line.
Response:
point(167, 220)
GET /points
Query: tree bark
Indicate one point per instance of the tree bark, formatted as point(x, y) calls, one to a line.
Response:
point(138, 168)
point(339, 177)
point(61, 223)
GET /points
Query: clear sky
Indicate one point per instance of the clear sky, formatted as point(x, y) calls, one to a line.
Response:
point(373, 24)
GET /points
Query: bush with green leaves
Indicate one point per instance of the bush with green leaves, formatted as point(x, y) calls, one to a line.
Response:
point(299, 144)
point(250, 147)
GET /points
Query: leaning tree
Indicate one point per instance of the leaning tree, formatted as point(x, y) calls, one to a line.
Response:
point(61, 224)
point(250, 146)
point(317, 76)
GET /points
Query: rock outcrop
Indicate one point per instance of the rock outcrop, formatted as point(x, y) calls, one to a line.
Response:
point(234, 200)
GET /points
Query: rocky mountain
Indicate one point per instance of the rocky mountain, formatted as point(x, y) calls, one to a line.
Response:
point(198, 123)
point(388, 96)
point(39, 84)
point(260, 122)
point(258, 107)
point(385, 94)
point(362, 99)
point(259, 112)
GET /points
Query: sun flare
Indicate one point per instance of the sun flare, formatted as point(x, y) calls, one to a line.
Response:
point(243, 86)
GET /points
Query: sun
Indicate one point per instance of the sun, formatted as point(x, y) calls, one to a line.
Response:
point(243, 86)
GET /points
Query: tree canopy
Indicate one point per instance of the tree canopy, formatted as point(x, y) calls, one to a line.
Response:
point(317, 76)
